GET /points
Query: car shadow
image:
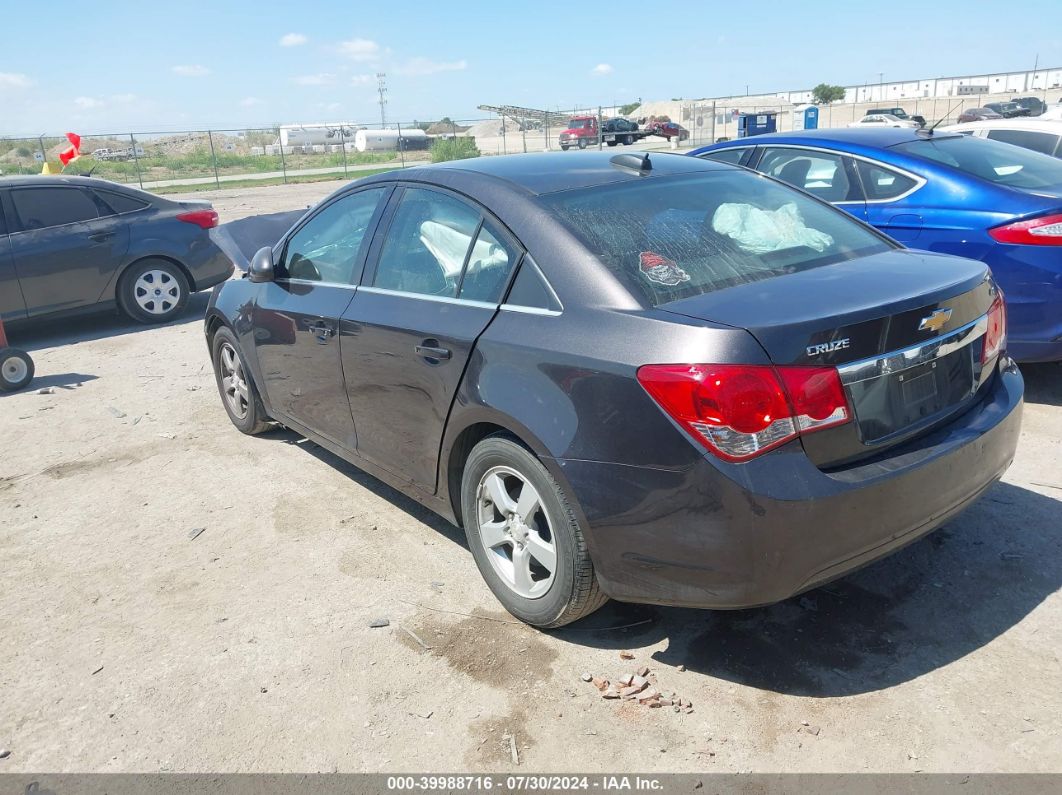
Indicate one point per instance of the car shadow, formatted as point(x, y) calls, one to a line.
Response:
point(1043, 383)
point(924, 607)
point(68, 381)
point(35, 335)
point(373, 484)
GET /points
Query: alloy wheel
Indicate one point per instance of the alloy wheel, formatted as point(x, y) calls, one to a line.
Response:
point(516, 532)
point(234, 382)
point(14, 370)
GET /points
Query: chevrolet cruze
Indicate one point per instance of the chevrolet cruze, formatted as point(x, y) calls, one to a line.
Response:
point(672, 380)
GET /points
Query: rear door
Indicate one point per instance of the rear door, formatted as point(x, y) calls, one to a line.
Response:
point(831, 176)
point(66, 246)
point(296, 316)
point(12, 306)
point(886, 189)
point(437, 274)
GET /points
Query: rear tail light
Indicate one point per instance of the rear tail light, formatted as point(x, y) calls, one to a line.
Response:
point(1044, 231)
point(996, 337)
point(740, 411)
point(207, 219)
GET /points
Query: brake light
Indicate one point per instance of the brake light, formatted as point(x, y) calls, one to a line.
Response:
point(996, 337)
point(1044, 231)
point(740, 411)
point(206, 219)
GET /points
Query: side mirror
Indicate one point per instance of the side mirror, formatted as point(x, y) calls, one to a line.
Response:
point(261, 268)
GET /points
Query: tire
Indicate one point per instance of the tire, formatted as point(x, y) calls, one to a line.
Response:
point(16, 369)
point(611, 143)
point(243, 405)
point(564, 147)
point(582, 143)
point(153, 291)
point(628, 140)
point(540, 598)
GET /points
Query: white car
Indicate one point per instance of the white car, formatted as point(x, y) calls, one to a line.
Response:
point(884, 120)
point(1036, 133)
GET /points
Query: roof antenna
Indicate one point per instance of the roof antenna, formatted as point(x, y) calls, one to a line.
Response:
point(929, 133)
point(641, 165)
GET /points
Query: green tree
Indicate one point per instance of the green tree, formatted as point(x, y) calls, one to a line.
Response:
point(824, 94)
point(23, 151)
point(453, 149)
point(629, 108)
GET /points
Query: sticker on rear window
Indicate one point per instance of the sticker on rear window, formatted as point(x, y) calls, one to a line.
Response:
point(661, 270)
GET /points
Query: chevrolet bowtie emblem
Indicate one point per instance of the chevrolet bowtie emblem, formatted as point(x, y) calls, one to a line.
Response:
point(935, 321)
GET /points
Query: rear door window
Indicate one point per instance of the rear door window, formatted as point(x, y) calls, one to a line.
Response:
point(667, 238)
point(883, 184)
point(41, 208)
point(121, 202)
point(822, 174)
point(727, 155)
point(1030, 139)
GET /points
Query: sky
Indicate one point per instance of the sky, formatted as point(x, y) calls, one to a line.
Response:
point(163, 66)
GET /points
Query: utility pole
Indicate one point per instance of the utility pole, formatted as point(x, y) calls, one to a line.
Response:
point(381, 87)
point(881, 82)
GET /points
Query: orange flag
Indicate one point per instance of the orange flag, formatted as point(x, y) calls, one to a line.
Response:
point(73, 152)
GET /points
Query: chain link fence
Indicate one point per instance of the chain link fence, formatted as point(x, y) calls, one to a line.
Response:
point(202, 159)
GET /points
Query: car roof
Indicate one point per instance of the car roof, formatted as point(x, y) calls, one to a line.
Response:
point(1030, 124)
point(549, 172)
point(879, 137)
point(43, 180)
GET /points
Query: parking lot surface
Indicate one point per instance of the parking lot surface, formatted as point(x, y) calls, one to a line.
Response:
point(180, 597)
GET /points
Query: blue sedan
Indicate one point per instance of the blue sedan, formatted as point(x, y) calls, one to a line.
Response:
point(954, 194)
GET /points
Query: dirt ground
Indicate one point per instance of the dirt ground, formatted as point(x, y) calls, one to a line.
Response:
point(180, 597)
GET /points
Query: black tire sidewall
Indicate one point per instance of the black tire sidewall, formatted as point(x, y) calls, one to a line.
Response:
point(15, 353)
point(501, 451)
point(255, 412)
point(127, 300)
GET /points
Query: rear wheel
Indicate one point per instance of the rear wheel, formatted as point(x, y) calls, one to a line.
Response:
point(153, 291)
point(628, 140)
point(564, 147)
point(238, 393)
point(16, 369)
point(525, 537)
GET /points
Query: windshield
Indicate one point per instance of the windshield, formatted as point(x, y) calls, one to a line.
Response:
point(578, 124)
point(669, 238)
point(997, 162)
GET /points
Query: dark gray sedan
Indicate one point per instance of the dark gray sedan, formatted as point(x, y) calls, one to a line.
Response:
point(73, 244)
point(670, 381)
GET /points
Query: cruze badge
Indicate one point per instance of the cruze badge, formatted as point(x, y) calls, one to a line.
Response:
point(935, 321)
point(828, 347)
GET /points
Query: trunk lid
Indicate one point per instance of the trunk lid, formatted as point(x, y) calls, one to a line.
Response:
point(904, 328)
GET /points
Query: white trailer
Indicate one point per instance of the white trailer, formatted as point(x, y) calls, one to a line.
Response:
point(388, 140)
point(316, 134)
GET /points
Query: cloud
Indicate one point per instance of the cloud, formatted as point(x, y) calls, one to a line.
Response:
point(360, 49)
point(362, 80)
point(293, 40)
point(88, 103)
point(602, 69)
point(14, 80)
point(250, 102)
point(123, 99)
point(424, 66)
point(190, 70)
point(322, 79)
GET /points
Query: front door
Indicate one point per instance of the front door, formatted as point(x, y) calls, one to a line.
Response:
point(296, 317)
point(64, 252)
point(440, 272)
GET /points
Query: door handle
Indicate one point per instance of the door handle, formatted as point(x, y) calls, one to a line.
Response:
point(432, 352)
point(99, 237)
point(321, 330)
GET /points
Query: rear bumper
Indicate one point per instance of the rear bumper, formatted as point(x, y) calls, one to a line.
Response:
point(210, 267)
point(731, 536)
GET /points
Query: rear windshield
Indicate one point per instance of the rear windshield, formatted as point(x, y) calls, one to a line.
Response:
point(669, 238)
point(994, 161)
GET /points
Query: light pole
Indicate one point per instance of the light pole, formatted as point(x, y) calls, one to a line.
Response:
point(881, 85)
